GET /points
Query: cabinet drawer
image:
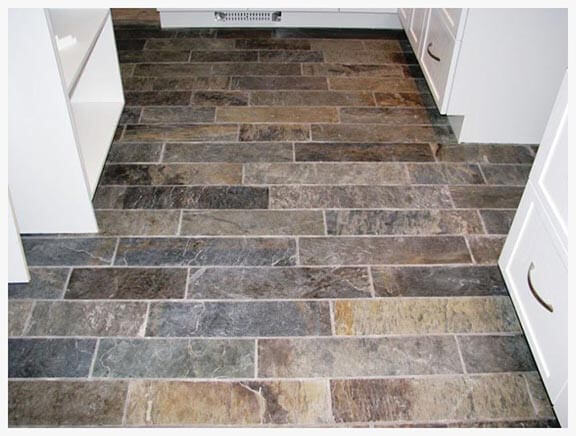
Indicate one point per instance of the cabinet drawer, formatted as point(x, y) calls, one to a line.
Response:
point(438, 56)
point(537, 279)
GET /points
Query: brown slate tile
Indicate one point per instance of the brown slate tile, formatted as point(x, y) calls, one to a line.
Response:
point(486, 197)
point(404, 99)
point(171, 70)
point(66, 403)
point(351, 70)
point(255, 69)
point(363, 152)
point(373, 84)
point(134, 152)
point(272, 44)
point(177, 114)
point(392, 116)
point(276, 115)
point(138, 83)
point(488, 353)
point(278, 82)
point(157, 98)
point(378, 133)
point(220, 98)
point(445, 174)
point(228, 403)
point(188, 44)
point(223, 56)
point(497, 222)
point(368, 56)
point(228, 152)
point(486, 249)
point(188, 83)
point(506, 174)
point(153, 55)
point(137, 222)
point(181, 132)
point(298, 56)
point(311, 98)
point(274, 132)
point(485, 153)
point(383, 250)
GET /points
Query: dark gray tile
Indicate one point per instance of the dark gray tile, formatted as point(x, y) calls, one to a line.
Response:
point(440, 174)
point(224, 56)
point(126, 283)
point(363, 152)
point(272, 44)
point(130, 115)
point(485, 153)
point(378, 133)
point(157, 98)
point(134, 152)
point(189, 83)
point(138, 222)
point(311, 98)
point(280, 82)
point(297, 56)
point(351, 70)
point(189, 44)
point(153, 55)
point(45, 283)
point(87, 318)
point(137, 83)
point(386, 84)
point(274, 132)
point(368, 57)
point(357, 357)
point(256, 69)
point(185, 114)
point(404, 99)
point(130, 44)
point(181, 132)
point(496, 354)
point(486, 249)
point(66, 403)
point(506, 174)
point(171, 70)
point(68, 251)
point(50, 357)
point(403, 197)
point(486, 197)
point(220, 98)
point(206, 251)
point(497, 222)
point(383, 250)
point(181, 197)
point(392, 116)
point(402, 222)
point(259, 318)
point(254, 283)
point(277, 114)
point(175, 358)
point(228, 152)
point(415, 281)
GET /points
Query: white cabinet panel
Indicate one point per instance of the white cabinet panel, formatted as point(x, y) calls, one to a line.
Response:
point(417, 28)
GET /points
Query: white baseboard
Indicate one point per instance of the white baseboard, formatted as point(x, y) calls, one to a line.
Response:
point(314, 18)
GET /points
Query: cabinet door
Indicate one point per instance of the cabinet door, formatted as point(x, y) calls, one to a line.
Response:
point(417, 29)
point(405, 16)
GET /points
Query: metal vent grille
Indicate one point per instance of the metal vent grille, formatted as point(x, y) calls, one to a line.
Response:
point(248, 16)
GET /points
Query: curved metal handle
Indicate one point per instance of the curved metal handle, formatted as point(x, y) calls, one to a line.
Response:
point(436, 58)
point(547, 306)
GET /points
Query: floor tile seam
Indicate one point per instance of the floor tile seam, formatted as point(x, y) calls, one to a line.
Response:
point(461, 357)
point(308, 185)
point(66, 283)
point(93, 360)
point(127, 399)
point(144, 326)
point(469, 247)
point(114, 253)
point(392, 164)
point(530, 396)
point(28, 319)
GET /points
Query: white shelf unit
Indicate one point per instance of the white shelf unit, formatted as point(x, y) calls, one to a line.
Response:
point(64, 108)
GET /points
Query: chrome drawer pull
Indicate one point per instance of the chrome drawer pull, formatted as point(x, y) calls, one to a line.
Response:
point(436, 58)
point(547, 306)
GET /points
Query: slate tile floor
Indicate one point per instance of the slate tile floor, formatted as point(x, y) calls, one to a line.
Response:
point(289, 236)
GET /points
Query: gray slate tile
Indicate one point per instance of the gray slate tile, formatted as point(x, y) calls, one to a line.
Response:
point(68, 251)
point(45, 283)
point(496, 354)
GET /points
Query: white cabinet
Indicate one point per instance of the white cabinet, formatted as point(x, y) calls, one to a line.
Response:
point(17, 267)
point(416, 27)
point(495, 72)
point(65, 103)
point(534, 257)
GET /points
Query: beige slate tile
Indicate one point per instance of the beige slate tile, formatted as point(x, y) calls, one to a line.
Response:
point(18, 313)
point(486, 249)
point(540, 399)
point(234, 403)
point(277, 114)
point(377, 133)
point(425, 316)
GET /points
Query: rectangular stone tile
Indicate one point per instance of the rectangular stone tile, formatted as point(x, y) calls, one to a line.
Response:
point(257, 318)
point(220, 98)
point(252, 222)
point(402, 222)
point(438, 281)
point(130, 115)
point(126, 283)
point(230, 152)
point(496, 353)
point(497, 222)
point(228, 403)
point(486, 249)
point(387, 34)
point(50, 357)
point(297, 56)
point(172, 174)
point(175, 358)
point(256, 69)
point(137, 83)
point(141, 32)
point(486, 197)
point(45, 283)
point(126, 70)
point(357, 357)
point(130, 44)
point(134, 152)
point(181, 197)
point(65, 403)
point(138, 222)
point(294, 197)
point(277, 114)
point(445, 174)
point(392, 116)
point(540, 399)
point(325, 173)
point(87, 318)
point(189, 83)
point(224, 56)
point(311, 98)
point(506, 174)
point(157, 98)
point(185, 114)
point(293, 282)
point(368, 57)
point(181, 132)
point(485, 153)
point(374, 84)
point(352, 70)
point(425, 316)
point(273, 44)
point(18, 314)
point(206, 251)
point(153, 55)
point(404, 99)
point(189, 44)
point(171, 70)
point(383, 250)
point(274, 132)
point(363, 152)
point(401, 399)
point(377, 133)
point(342, 44)
point(68, 251)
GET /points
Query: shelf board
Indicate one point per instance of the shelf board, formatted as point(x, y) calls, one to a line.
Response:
point(95, 125)
point(83, 24)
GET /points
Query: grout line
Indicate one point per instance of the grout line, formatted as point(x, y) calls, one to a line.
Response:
point(179, 227)
point(66, 283)
point(532, 401)
point(256, 369)
point(481, 172)
point(142, 333)
point(470, 250)
point(96, 348)
point(294, 152)
point(371, 282)
point(114, 253)
point(188, 271)
point(242, 181)
point(325, 222)
point(482, 222)
point(126, 402)
point(464, 371)
point(330, 402)
point(297, 254)
point(332, 318)
point(28, 318)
